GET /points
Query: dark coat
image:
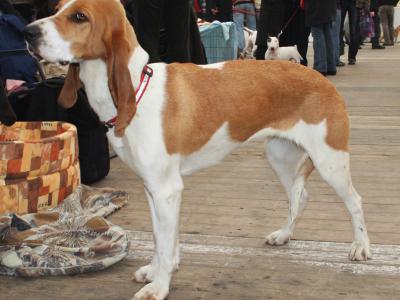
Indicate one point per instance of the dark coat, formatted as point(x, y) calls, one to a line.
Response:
point(388, 2)
point(320, 12)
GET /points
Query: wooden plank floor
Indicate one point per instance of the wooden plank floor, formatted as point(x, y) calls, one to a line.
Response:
point(229, 209)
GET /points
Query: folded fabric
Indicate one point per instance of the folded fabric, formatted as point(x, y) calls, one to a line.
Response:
point(72, 238)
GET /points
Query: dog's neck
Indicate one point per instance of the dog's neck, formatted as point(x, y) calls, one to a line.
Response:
point(137, 62)
point(93, 74)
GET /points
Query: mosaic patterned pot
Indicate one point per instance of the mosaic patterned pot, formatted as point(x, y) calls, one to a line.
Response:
point(39, 165)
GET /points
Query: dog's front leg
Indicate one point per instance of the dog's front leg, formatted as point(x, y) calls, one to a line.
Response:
point(164, 197)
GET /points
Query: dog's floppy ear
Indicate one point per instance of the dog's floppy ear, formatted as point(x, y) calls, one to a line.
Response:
point(69, 91)
point(118, 50)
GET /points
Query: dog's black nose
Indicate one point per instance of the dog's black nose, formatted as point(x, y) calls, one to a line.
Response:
point(32, 33)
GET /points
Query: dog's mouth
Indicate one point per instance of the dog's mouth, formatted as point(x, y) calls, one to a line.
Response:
point(33, 52)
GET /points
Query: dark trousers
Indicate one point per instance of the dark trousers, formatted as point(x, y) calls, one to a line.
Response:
point(377, 29)
point(349, 7)
point(173, 15)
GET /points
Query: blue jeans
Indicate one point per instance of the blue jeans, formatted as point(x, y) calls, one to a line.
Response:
point(246, 13)
point(336, 35)
point(324, 57)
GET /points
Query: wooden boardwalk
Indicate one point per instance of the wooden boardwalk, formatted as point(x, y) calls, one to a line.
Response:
point(229, 209)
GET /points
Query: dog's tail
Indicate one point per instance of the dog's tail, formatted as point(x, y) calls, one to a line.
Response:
point(248, 30)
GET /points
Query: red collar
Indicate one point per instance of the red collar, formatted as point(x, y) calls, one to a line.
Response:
point(147, 73)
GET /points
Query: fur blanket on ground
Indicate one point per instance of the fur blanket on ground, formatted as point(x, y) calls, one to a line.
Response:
point(72, 238)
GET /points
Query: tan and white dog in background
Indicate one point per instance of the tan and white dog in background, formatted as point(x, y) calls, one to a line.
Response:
point(191, 117)
point(250, 37)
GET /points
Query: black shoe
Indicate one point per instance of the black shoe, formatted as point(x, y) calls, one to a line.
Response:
point(322, 73)
point(332, 73)
point(352, 61)
point(378, 47)
point(340, 64)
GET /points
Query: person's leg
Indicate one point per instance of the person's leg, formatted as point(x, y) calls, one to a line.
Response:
point(335, 36)
point(330, 49)
point(302, 46)
point(177, 30)
point(320, 59)
point(354, 24)
point(250, 16)
point(238, 19)
point(197, 51)
point(260, 52)
point(390, 24)
point(344, 7)
point(385, 23)
point(149, 14)
point(377, 32)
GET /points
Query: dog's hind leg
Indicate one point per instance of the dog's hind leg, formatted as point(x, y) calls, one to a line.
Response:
point(164, 195)
point(293, 166)
point(334, 167)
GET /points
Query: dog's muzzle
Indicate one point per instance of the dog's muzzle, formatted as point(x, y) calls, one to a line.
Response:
point(32, 35)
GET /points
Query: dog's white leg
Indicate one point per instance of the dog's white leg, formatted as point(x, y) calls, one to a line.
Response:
point(334, 167)
point(292, 166)
point(164, 196)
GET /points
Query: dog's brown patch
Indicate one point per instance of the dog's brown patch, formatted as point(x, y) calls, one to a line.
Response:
point(250, 96)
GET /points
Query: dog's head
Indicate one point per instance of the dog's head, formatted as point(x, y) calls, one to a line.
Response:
point(82, 30)
point(273, 43)
point(7, 115)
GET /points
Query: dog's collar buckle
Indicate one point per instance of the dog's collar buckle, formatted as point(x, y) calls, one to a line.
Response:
point(147, 73)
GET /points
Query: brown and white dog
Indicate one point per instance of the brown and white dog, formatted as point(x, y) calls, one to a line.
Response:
point(191, 117)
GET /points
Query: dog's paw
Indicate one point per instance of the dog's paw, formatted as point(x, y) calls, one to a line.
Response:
point(152, 291)
point(144, 274)
point(278, 237)
point(359, 251)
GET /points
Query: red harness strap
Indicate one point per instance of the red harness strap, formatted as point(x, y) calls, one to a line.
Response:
point(147, 73)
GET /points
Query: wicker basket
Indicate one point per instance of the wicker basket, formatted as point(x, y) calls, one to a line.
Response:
point(39, 165)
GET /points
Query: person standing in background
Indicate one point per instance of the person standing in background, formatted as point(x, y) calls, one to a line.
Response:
point(374, 7)
point(386, 14)
point(336, 35)
point(352, 8)
point(319, 16)
point(244, 14)
point(220, 10)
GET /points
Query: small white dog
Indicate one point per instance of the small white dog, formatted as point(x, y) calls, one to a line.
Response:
point(250, 48)
point(275, 52)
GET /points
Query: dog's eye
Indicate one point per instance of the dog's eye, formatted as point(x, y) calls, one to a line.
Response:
point(78, 17)
point(269, 40)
